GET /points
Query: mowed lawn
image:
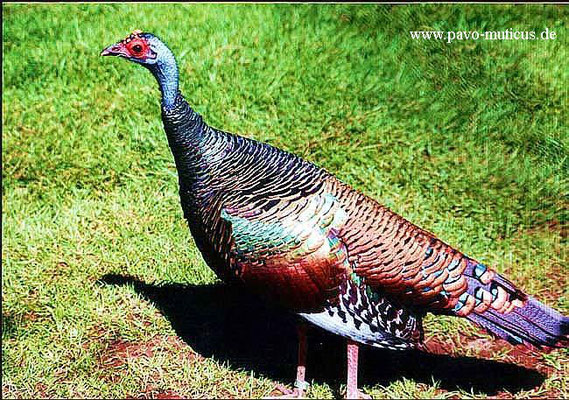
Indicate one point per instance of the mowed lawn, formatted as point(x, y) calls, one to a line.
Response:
point(104, 293)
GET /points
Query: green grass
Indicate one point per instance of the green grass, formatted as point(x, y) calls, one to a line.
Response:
point(468, 140)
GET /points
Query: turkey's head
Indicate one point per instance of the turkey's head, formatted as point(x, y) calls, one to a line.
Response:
point(149, 51)
point(140, 47)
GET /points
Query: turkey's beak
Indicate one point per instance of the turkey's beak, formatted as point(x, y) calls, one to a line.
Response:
point(116, 49)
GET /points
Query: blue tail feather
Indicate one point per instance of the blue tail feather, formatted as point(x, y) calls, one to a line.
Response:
point(549, 328)
point(533, 323)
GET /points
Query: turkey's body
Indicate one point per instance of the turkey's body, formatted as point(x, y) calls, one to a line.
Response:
point(295, 234)
point(239, 194)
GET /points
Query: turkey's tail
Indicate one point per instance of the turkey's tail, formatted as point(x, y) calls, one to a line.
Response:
point(510, 314)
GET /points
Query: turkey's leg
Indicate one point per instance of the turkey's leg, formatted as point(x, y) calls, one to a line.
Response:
point(352, 391)
point(300, 385)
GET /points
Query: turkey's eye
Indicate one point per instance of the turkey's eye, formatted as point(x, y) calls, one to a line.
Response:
point(137, 48)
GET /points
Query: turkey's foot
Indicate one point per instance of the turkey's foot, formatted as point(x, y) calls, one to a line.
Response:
point(296, 393)
point(356, 394)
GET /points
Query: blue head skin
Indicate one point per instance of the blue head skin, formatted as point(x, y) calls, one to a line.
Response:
point(149, 51)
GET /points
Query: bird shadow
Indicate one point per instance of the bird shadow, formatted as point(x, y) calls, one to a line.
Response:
point(230, 325)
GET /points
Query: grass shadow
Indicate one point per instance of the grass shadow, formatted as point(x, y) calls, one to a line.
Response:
point(230, 325)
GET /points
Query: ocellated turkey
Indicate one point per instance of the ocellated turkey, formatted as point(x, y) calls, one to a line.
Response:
point(296, 235)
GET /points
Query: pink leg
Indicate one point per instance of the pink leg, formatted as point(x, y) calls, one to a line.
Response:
point(352, 391)
point(300, 385)
point(352, 382)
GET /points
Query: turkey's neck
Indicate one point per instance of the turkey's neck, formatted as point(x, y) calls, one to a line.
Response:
point(166, 73)
point(184, 127)
point(185, 130)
